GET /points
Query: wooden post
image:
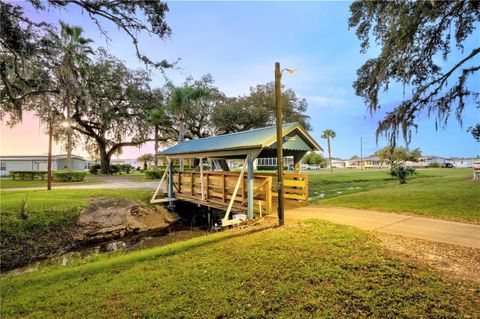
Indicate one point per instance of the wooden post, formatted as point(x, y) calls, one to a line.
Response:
point(192, 190)
point(250, 202)
point(170, 183)
point(207, 191)
point(305, 180)
point(202, 191)
point(179, 182)
point(223, 187)
point(269, 195)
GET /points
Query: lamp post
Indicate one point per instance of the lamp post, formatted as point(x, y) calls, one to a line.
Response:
point(278, 104)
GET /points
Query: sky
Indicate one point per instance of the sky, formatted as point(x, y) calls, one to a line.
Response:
point(238, 44)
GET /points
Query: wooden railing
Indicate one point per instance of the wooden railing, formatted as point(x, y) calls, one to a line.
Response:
point(217, 188)
point(295, 187)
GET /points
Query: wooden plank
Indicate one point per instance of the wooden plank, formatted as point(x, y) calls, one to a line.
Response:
point(191, 184)
point(293, 183)
point(162, 200)
point(207, 180)
point(223, 185)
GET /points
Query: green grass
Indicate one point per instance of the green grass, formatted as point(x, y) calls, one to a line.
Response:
point(50, 222)
point(6, 183)
point(62, 199)
point(443, 193)
point(314, 270)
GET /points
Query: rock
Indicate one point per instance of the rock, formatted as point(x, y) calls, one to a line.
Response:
point(115, 246)
point(114, 218)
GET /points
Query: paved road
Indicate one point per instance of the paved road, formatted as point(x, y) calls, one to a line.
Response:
point(407, 225)
point(102, 182)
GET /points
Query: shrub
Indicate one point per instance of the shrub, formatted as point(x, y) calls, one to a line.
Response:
point(66, 176)
point(114, 169)
point(126, 168)
point(154, 174)
point(94, 169)
point(433, 165)
point(28, 175)
point(266, 168)
point(402, 173)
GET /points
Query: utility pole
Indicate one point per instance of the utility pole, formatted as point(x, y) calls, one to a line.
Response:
point(278, 104)
point(361, 154)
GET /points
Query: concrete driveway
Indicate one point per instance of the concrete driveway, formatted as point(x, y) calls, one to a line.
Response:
point(462, 234)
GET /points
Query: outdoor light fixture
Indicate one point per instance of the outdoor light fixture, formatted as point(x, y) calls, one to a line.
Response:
point(278, 104)
point(291, 71)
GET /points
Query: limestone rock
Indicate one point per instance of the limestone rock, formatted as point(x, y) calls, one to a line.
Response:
point(114, 218)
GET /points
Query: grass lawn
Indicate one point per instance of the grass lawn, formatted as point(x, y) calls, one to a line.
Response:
point(313, 270)
point(50, 222)
point(10, 183)
point(443, 193)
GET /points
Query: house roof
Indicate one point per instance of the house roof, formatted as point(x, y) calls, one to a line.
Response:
point(37, 157)
point(259, 138)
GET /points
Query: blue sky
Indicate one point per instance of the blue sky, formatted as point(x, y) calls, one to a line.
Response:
point(238, 43)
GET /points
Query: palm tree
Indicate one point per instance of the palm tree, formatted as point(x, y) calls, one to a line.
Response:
point(180, 102)
point(145, 158)
point(156, 118)
point(74, 50)
point(329, 134)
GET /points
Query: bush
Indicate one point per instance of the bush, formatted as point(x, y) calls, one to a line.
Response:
point(266, 168)
point(28, 175)
point(154, 174)
point(433, 165)
point(126, 168)
point(94, 169)
point(66, 176)
point(402, 173)
point(114, 169)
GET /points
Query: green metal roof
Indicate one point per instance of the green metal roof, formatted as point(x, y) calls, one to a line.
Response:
point(256, 138)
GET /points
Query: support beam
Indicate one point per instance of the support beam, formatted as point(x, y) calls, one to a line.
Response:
point(170, 182)
point(202, 188)
point(232, 200)
point(250, 202)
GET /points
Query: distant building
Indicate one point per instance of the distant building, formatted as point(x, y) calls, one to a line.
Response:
point(425, 161)
point(370, 162)
point(462, 162)
point(39, 163)
point(337, 163)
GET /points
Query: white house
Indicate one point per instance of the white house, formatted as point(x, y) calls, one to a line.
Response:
point(424, 161)
point(462, 162)
point(38, 163)
point(370, 162)
point(337, 163)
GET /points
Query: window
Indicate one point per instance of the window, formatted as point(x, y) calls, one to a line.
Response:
point(3, 166)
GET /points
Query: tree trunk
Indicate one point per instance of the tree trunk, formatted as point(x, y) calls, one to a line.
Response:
point(104, 159)
point(329, 154)
point(181, 127)
point(156, 146)
point(69, 140)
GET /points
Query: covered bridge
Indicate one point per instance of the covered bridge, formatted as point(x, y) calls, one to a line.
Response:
point(240, 191)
